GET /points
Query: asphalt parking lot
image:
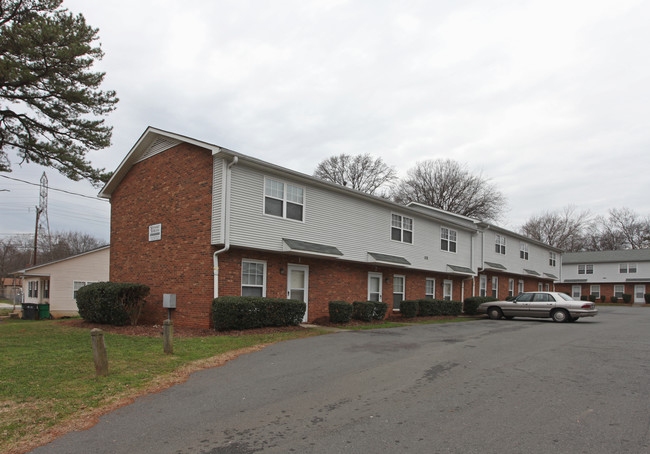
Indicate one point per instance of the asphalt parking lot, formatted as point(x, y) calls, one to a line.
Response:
point(519, 386)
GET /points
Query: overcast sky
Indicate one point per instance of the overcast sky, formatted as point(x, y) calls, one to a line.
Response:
point(548, 99)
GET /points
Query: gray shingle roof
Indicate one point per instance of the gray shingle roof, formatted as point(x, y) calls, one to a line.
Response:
point(628, 255)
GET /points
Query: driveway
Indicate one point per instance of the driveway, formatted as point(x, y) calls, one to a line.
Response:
point(520, 386)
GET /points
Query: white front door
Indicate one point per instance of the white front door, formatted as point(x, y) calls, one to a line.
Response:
point(298, 285)
point(639, 292)
point(374, 286)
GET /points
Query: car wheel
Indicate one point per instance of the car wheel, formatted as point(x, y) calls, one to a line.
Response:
point(494, 313)
point(560, 316)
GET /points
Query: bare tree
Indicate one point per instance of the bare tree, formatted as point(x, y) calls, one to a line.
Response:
point(450, 186)
point(621, 229)
point(565, 229)
point(361, 172)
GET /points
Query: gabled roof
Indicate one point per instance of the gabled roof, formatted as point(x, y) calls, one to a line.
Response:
point(628, 255)
point(40, 265)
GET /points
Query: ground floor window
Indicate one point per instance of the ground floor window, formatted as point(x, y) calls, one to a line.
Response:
point(447, 290)
point(595, 291)
point(540, 287)
point(253, 278)
point(619, 290)
point(76, 285)
point(430, 290)
point(576, 291)
point(398, 291)
point(374, 286)
point(547, 287)
point(511, 287)
point(520, 288)
point(32, 289)
point(482, 285)
point(46, 289)
point(495, 287)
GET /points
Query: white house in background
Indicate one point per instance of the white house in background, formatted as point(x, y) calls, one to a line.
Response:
point(56, 283)
point(607, 273)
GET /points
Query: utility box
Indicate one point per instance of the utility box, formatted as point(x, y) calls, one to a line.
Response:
point(169, 300)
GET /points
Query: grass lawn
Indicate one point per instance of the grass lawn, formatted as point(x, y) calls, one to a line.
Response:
point(47, 374)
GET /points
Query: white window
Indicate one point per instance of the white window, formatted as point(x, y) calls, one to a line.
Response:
point(448, 239)
point(46, 289)
point(511, 287)
point(374, 287)
point(32, 289)
point(585, 269)
point(482, 285)
point(595, 290)
point(547, 287)
point(520, 286)
point(447, 290)
point(401, 229)
point(540, 287)
point(495, 287)
point(552, 258)
point(627, 268)
point(523, 251)
point(76, 285)
point(253, 278)
point(398, 290)
point(576, 291)
point(283, 200)
point(430, 288)
point(619, 290)
point(500, 244)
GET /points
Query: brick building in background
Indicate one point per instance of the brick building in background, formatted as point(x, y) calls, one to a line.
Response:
point(200, 221)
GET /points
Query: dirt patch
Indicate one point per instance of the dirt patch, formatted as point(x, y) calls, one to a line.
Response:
point(179, 331)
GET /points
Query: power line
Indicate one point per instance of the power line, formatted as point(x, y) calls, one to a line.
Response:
point(55, 189)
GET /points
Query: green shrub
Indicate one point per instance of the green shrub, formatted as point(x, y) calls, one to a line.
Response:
point(363, 310)
point(646, 297)
point(453, 308)
point(613, 299)
point(340, 311)
point(472, 303)
point(409, 308)
point(602, 298)
point(627, 298)
point(248, 312)
point(592, 298)
point(111, 303)
point(427, 307)
point(584, 298)
point(379, 311)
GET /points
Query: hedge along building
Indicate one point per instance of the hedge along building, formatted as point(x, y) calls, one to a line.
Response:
point(201, 221)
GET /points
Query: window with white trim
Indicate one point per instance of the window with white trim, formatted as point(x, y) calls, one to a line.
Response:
point(401, 228)
point(482, 285)
point(511, 287)
point(399, 289)
point(500, 244)
point(495, 287)
point(552, 258)
point(585, 269)
point(76, 285)
point(283, 200)
point(430, 288)
point(46, 288)
point(32, 289)
point(540, 287)
point(520, 287)
point(595, 290)
point(448, 239)
point(253, 278)
point(619, 290)
point(447, 290)
point(523, 251)
point(576, 291)
point(624, 268)
point(547, 287)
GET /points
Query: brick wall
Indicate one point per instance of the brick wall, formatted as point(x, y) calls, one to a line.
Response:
point(173, 188)
point(605, 289)
point(531, 284)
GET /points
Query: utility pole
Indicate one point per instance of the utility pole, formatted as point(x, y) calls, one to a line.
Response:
point(41, 208)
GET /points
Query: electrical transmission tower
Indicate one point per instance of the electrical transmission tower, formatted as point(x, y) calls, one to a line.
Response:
point(42, 219)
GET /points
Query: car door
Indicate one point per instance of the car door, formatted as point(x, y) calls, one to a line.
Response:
point(541, 305)
point(517, 307)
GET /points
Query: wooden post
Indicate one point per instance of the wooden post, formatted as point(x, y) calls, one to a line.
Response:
point(168, 337)
point(99, 352)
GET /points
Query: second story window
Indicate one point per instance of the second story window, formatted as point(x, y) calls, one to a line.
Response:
point(447, 239)
point(401, 229)
point(283, 200)
point(523, 251)
point(500, 244)
point(552, 258)
point(627, 268)
point(585, 269)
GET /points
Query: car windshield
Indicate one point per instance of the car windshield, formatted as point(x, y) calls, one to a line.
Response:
point(566, 297)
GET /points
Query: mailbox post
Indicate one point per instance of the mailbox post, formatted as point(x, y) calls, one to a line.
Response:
point(169, 301)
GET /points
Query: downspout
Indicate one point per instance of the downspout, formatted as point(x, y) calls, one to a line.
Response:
point(226, 227)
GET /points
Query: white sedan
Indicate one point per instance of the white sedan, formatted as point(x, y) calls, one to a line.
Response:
point(558, 306)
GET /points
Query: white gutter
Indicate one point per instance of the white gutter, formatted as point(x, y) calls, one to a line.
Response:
point(226, 230)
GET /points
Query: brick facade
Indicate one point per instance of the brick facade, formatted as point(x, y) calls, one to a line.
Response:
point(531, 284)
point(606, 290)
